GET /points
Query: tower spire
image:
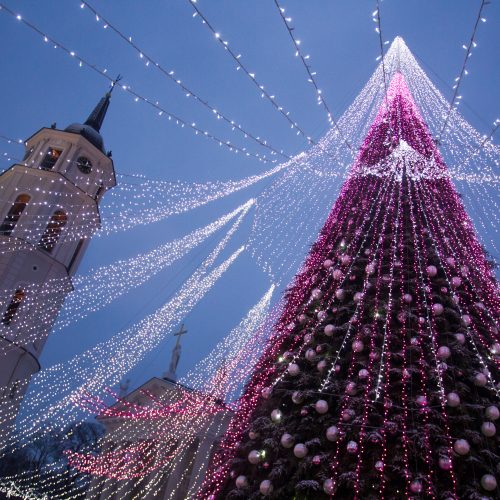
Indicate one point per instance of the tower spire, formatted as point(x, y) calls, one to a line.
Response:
point(96, 118)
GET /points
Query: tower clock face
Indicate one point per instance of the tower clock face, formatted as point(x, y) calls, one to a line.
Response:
point(84, 165)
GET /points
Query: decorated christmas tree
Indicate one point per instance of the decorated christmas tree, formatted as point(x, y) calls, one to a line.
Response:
point(378, 381)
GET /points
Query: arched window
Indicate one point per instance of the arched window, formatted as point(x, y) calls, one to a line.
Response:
point(53, 231)
point(17, 208)
point(12, 308)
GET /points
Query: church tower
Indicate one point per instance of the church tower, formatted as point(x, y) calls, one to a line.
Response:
point(49, 209)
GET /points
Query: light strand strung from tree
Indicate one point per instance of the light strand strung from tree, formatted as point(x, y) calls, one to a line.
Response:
point(455, 100)
point(137, 97)
point(170, 74)
point(311, 74)
point(251, 75)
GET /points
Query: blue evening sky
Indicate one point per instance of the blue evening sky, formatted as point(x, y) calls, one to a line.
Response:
point(40, 85)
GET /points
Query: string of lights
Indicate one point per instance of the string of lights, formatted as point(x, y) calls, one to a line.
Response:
point(137, 97)
point(455, 100)
point(310, 73)
point(170, 74)
point(251, 75)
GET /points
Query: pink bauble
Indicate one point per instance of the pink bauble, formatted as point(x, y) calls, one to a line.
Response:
point(464, 270)
point(492, 413)
point(358, 346)
point(266, 487)
point(480, 380)
point(340, 294)
point(266, 392)
point(300, 450)
point(352, 447)
point(466, 319)
point(416, 486)
point(254, 457)
point(480, 306)
point(453, 399)
point(488, 429)
point(316, 294)
point(297, 397)
point(460, 338)
point(408, 298)
point(445, 463)
point(327, 263)
point(461, 446)
point(414, 341)
point(495, 349)
point(455, 298)
point(374, 355)
point(321, 315)
point(337, 368)
point(293, 369)
point(444, 289)
point(437, 309)
point(398, 263)
point(329, 330)
point(345, 259)
point(302, 318)
point(316, 460)
point(241, 482)
point(431, 271)
point(276, 416)
point(253, 435)
point(456, 281)
point(310, 354)
point(379, 465)
point(308, 338)
point(328, 486)
point(321, 365)
point(370, 269)
point(287, 440)
point(488, 482)
point(332, 433)
point(405, 373)
point(337, 274)
point(357, 296)
point(350, 388)
point(421, 320)
point(367, 252)
point(321, 406)
point(421, 400)
point(347, 415)
point(444, 352)
point(363, 374)
point(401, 317)
point(304, 412)
point(450, 261)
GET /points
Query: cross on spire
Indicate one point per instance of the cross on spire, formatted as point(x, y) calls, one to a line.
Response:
point(176, 354)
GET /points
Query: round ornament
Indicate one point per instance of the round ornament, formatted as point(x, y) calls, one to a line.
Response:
point(352, 447)
point(297, 397)
point(421, 401)
point(329, 330)
point(332, 433)
point(445, 463)
point(416, 486)
point(456, 281)
point(340, 294)
point(431, 271)
point(241, 482)
point(316, 460)
point(254, 457)
point(266, 487)
point(450, 261)
point(437, 309)
point(495, 349)
point(453, 399)
point(301, 318)
point(266, 392)
point(370, 269)
point(444, 352)
point(300, 450)
point(461, 447)
point(347, 415)
point(358, 346)
point(321, 315)
point(287, 440)
point(488, 429)
point(310, 354)
point(350, 388)
point(460, 338)
point(276, 416)
point(293, 369)
point(316, 294)
point(408, 298)
point(488, 482)
point(345, 259)
point(480, 380)
point(492, 413)
point(357, 296)
point(363, 374)
point(327, 263)
point(321, 406)
point(337, 274)
point(321, 365)
point(379, 465)
point(466, 319)
point(253, 435)
point(328, 486)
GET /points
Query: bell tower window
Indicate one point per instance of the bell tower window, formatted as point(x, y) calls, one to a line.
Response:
point(11, 219)
point(12, 308)
point(53, 231)
point(50, 158)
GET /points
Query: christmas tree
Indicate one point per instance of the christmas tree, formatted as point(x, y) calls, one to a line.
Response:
point(379, 379)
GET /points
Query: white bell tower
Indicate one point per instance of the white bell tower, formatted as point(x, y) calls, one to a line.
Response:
point(49, 209)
